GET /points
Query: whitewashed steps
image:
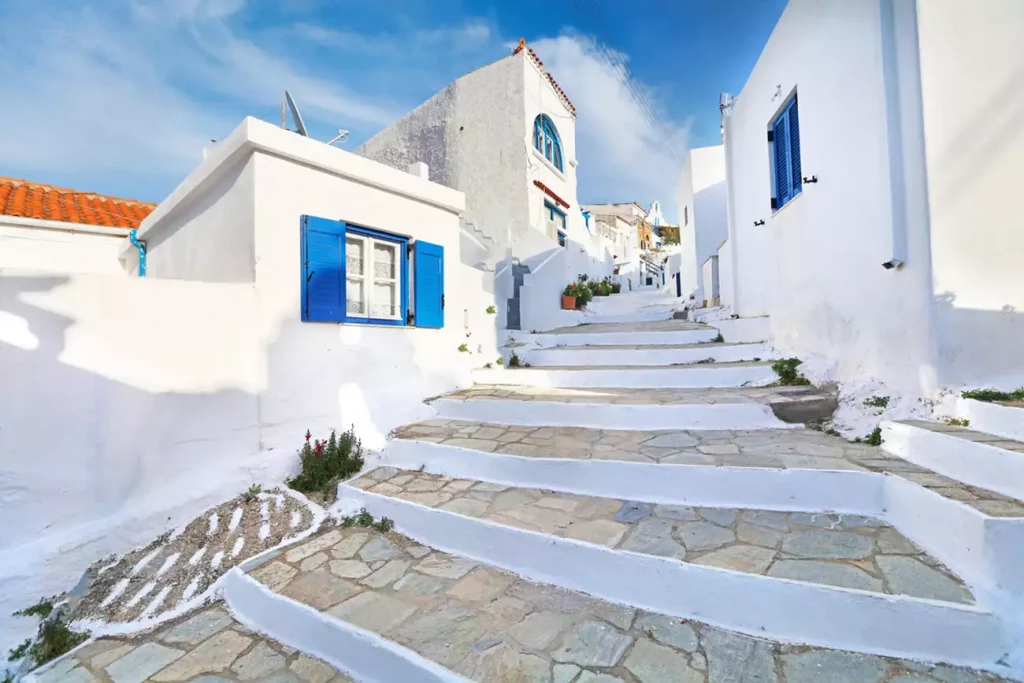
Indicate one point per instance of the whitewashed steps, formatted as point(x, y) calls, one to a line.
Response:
point(799, 611)
point(694, 376)
point(646, 354)
point(639, 333)
point(973, 457)
point(1005, 420)
point(623, 408)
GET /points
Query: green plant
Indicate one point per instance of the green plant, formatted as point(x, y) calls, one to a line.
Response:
point(488, 366)
point(20, 651)
point(958, 422)
point(718, 339)
point(384, 525)
point(55, 638)
point(463, 348)
point(706, 360)
point(41, 609)
point(571, 289)
point(514, 361)
point(325, 463)
point(874, 438)
point(365, 519)
point(990, 395)
point(787, 372)
point(877, 401)
point(253, 494)
point(583, 277)
point(491, 310)
point(500, 361)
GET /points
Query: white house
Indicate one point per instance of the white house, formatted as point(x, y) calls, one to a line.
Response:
point(505, 135)
point(289, 286)
point(704, 227)
point(56, 229)
point(875, 158)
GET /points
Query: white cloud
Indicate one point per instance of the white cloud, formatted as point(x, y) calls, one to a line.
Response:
point(625, 153)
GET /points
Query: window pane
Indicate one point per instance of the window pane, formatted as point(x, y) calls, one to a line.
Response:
point(384, 304)
point(355, 297)
point(384, 260)
point(355, 255)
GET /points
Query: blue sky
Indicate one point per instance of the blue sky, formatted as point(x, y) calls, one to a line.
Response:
point(120, 97)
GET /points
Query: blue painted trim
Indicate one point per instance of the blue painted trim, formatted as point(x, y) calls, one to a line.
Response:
point(547, 141)
point(133, 236)
point(785, 146)
point(403, 269)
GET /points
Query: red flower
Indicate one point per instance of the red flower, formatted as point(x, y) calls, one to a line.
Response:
point(308, 435)
point(319, 448)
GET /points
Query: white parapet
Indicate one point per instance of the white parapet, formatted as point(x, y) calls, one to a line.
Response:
point(693, 336)
point(653, 377)
point(992, 418)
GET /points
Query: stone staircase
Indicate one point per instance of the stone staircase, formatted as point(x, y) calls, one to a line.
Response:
point(622, 511)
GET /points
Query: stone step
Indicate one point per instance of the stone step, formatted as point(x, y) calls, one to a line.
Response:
point(646, 354)
point(390, 608)
point(623, 551)
point(598, 334)
point(976, 458)
point(1001, 418)
point(623, 408)
point(697, 376)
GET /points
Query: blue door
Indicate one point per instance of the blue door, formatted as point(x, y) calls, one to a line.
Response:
point(429, 287)
point(679, 285)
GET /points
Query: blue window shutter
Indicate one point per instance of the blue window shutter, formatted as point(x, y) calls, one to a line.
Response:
point(429, 286)
point(782, 176)
point(323, 270)
point(794, 146)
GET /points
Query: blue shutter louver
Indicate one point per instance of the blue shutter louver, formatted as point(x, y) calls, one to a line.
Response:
point(782, 176)
point(794, 147)
point(323, 275)
point(429, 286)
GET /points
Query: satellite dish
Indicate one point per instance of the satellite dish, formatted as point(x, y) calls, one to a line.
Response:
point(295, 114)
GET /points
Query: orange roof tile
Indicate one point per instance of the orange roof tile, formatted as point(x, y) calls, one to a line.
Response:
point(554, 84)
point(36, 200)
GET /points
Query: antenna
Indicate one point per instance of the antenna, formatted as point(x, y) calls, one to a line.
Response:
point(295, 114)
point(342, 134)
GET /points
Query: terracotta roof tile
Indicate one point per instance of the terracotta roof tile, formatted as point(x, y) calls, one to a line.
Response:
point(540, 64)
point(37, 200)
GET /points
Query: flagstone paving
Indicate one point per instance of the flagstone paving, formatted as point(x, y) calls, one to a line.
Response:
point(673, 325)
point(631, 396)
point(206, 647)
point(968, 434)
point(769, 448)
point(490, 625)
point(831, 549)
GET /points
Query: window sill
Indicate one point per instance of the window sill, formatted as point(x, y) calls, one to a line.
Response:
point(544, 160)
point(782, 208)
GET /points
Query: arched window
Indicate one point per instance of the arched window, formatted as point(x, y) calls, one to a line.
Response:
point(545, 139)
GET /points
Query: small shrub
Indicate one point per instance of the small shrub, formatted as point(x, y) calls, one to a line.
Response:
point(253, 494)
point(514, 361)
point(787, 372)
point(718, 339)
point(706, 360)
point(384, 525)
point(41, 609)
point(958, 422)
point(989, 395)
point(55, 638)
point(500, 361)
point(20, 651)
point(877, 402)
point(874, 438)
point(463, 348)
point(491, 310)
point(365, 519)
point(488, 366)
point(325, 463)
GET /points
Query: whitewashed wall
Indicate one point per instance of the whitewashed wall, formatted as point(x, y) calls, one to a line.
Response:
point(972, 68)
point(815, 266)
point(688, 267)
point(708, 214)
point(60, 248)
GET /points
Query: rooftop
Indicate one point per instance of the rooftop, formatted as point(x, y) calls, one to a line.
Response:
point(565, 98)
point(26, 199)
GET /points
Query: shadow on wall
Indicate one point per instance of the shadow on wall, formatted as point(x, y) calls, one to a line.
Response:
point(975, 345)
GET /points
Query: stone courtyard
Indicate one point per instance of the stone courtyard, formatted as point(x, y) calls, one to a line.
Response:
point(831, 549)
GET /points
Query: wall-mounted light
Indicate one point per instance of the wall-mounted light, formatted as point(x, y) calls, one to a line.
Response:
point(760, 222)
point(812, 179)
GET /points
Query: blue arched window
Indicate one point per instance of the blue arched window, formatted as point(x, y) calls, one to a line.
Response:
point(545, 139)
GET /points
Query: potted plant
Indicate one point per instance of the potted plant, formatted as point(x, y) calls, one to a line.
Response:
point(569, 295)
point(583, 295)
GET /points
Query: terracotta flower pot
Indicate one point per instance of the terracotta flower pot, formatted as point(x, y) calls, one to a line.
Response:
point(568, 302)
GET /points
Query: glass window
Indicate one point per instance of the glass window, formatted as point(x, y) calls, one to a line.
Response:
point(546, 140)
point(373, 277)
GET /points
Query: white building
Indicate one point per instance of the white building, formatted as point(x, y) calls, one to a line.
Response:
point(704, 229)
point(56, 229)
point(875, 160)
point(505, 136)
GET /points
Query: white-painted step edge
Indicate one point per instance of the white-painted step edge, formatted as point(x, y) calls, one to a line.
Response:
point(972, 462)
point(763, 606)
point(597, 356)
point(362, 654)
point(845, 491)
point(649, 313)
point(670, 377)
point(698, 416)
point(618, 338)
point(992, 418)
point(745, 329)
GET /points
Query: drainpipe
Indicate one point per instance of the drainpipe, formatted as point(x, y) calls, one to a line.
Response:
point(133, 236)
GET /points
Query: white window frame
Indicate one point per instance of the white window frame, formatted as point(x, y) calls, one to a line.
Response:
point(368, 279)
